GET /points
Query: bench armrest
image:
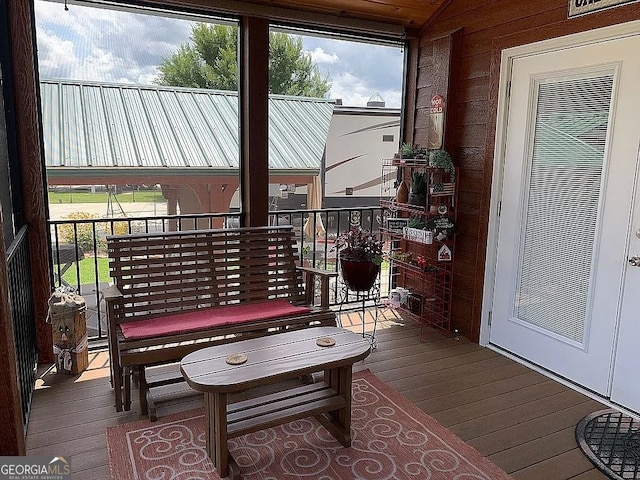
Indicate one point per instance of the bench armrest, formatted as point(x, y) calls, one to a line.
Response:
point(309, 274)
point(111, 293)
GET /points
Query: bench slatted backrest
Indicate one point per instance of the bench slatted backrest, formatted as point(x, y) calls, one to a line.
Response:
point(160, 273)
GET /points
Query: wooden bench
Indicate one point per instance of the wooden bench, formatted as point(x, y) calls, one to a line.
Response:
point(270, 361)
point(177, 292)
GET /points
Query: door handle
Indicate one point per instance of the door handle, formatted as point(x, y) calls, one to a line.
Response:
point(634, 261)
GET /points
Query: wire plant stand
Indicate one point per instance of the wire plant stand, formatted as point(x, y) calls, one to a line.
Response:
point(361, 301)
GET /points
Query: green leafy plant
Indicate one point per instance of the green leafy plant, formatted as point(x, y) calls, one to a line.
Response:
point(359, 245)
point(419, 152)
point(418, 182)
point(84, 234)
point(441, 159)
point(416, 222)
point(81, 234)
point(406, 150)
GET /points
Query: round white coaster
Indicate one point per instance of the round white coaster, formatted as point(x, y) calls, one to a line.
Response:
point(236, 359)
point(326, 342)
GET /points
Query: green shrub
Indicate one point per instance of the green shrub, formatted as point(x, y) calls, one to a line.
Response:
point(83, 233)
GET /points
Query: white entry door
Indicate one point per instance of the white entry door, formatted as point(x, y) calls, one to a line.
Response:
point(564, 295)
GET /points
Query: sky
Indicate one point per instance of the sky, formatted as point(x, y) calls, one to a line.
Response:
point(86, 43)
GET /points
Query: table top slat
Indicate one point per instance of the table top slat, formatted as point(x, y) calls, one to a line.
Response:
point(271, 357)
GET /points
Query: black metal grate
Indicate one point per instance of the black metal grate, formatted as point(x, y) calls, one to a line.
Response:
point(611, 440)
point(24, 326)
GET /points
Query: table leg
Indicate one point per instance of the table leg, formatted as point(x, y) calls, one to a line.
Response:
point(344, 414)
point(218, 433)
point(209, 415)
point(338, 422)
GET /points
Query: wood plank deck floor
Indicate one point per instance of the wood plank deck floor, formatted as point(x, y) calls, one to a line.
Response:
point(518, 418)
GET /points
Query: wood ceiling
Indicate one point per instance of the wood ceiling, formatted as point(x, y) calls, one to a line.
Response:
point(408, 13)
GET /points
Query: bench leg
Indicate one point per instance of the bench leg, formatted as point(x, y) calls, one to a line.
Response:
point(142, 390)
point(117, 389)
point(127, 388)
point(116, 381)
point(115, 369)
point(151, 406)
point(216, 425)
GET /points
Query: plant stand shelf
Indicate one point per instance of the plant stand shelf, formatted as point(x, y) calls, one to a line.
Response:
point(421, 263)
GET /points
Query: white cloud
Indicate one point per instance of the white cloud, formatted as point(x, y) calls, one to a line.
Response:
point(105, 45)
point(361, 70)
point(87, 43)
point(55, 54)
point(318, 55)
point(356, 91)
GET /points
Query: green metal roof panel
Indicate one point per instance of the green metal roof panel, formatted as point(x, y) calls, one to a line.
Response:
point(89, 124)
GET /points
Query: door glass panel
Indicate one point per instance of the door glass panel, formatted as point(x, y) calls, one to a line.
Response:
point(562, 204)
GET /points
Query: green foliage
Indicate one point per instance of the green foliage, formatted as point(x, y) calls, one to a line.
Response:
point(416, 222)
point(210, 61)
point(407, 150)
point(419, 182)
point(360, 245)
point(81, 234)
point(419, 152)
point(85, 234)
point(442, 159)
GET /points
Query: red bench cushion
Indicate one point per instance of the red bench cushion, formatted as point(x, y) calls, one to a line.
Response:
point(209, 317)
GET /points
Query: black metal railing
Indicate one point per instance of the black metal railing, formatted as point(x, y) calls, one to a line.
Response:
point(22, 313)
point(80, 262)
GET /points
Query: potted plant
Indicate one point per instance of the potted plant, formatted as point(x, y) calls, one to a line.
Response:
point(418, 192)
point(360, 254)
point(441, 159)
point(419, 152)
point(407, 150)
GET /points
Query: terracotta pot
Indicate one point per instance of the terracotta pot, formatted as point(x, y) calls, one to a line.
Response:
point(359, 276)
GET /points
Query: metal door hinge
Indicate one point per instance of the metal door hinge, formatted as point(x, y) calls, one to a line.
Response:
point(490, 318)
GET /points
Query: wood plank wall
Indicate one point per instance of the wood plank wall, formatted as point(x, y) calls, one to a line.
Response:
point(483, 29)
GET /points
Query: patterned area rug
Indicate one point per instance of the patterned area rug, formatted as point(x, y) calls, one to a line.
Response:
point(611, 440)
point(391, 439)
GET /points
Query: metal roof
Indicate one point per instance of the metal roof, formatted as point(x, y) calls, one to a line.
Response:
point(115, 126)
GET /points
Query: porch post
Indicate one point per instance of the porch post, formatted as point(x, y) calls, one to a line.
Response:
point(254, 120)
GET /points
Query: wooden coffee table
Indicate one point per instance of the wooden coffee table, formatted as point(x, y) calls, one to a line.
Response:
point(272, 359)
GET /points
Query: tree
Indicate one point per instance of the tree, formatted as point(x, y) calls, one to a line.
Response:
point(210, 61)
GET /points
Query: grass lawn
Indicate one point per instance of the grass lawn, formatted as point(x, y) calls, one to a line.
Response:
point(88, 268)
point(103, 197)
point(88, 271)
